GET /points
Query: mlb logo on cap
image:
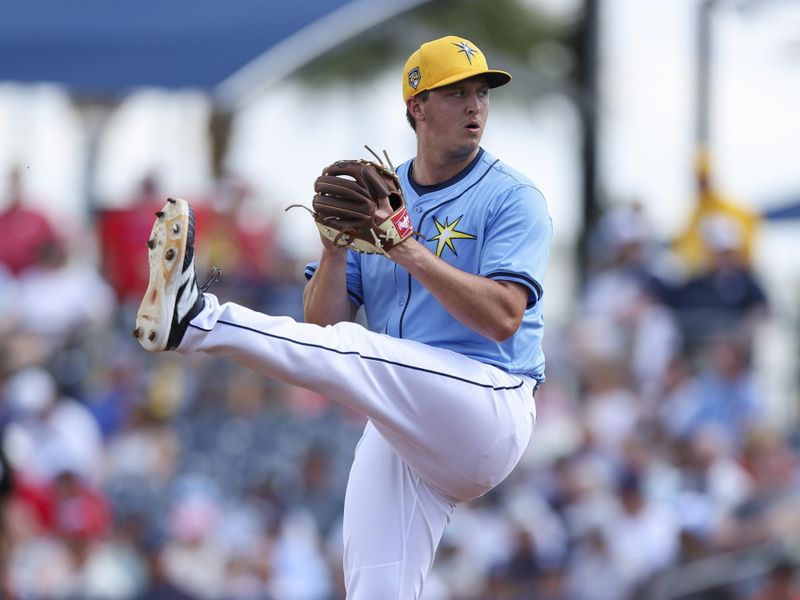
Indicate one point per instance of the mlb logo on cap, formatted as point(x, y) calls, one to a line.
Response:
point(414, 77)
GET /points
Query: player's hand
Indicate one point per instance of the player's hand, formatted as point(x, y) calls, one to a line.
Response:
point(328, 247)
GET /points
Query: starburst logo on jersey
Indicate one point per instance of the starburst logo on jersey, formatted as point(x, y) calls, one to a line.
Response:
point(448, 233)
point(414, 77)
point(466, 49)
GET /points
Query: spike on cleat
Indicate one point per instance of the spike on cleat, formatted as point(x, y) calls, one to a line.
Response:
point(151, 244)
point(176, 228)
point(171, 200)
point(152, 336)
point(160, 214)
point(170, 254)
point(137, 333)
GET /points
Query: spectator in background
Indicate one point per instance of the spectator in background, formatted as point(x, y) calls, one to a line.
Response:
point(726, 395)
point(592, 573)
point(692, 246)
point(49, 434)
point(725, 298)
point(240, 234)
point(613, 411)
point(24, 231)
point(241, 243)
point(56, 296)
point(121, 231)
point(142, 459)
point(190, 558)
point(713, 483)
point(317, 490)
point(643, 536)
point(769, 512)
point(618, 317)
point(57, 515)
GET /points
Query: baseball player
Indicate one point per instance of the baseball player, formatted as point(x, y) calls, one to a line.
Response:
point(446, 369)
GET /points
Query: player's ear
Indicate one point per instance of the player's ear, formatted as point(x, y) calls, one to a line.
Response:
point(415, 108)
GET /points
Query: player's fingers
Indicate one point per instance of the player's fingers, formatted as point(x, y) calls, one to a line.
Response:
point(344, 167)
point(334, 206)
point(376, 184)
point(328, 243)
point(328, 184)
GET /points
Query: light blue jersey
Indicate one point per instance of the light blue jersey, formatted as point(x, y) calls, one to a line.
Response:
point(489, 220)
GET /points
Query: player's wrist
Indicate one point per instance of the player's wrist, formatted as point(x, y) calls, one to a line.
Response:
point(334, 258)
point(406, 253)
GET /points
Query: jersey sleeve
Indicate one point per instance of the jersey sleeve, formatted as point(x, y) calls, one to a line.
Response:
point(517, 240)
point(352, 278)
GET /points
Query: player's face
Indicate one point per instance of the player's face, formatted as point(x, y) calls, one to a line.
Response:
point(455, 116)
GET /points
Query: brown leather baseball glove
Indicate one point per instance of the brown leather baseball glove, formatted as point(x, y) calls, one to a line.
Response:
point(349, 196)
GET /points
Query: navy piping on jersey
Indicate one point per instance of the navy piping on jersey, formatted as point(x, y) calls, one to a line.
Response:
point(422, 219)
point(524, 279)
point(427, 189)
point(361, 356)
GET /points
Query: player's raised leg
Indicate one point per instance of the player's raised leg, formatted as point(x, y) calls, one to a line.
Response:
point(460, 424)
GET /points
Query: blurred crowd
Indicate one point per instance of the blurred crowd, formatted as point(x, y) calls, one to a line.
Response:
point(129, 475)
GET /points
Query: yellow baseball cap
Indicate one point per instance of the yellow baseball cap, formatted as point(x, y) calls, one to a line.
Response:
point(445, 61)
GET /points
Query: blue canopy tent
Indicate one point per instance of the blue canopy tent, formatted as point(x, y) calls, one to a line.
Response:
point(103, 49)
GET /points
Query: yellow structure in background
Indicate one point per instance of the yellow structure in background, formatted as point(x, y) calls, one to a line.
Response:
point(693, 245)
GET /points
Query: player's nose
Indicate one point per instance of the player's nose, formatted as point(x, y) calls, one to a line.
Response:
point(473, 104)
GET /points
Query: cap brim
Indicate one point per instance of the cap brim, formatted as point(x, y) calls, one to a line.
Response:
point(494, 77)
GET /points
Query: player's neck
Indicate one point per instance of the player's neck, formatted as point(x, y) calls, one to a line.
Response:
point(432, 168)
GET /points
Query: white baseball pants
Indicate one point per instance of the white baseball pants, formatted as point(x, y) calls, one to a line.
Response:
point(443, 428)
